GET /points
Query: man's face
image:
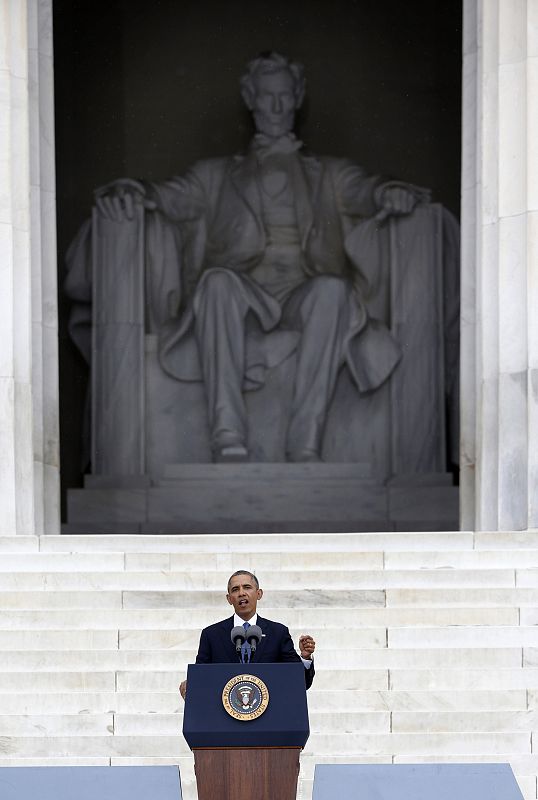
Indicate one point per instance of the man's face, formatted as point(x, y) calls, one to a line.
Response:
point(274, 103)
point(243, 595)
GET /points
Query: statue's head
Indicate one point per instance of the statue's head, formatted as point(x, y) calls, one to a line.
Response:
point(273, 89)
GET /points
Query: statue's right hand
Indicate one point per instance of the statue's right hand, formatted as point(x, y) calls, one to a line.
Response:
point(116, 200)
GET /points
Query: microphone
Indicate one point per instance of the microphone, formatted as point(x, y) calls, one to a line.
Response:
point(238, 637)
point(254, 636)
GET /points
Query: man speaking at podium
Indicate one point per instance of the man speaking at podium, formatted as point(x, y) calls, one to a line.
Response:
point(275, 644)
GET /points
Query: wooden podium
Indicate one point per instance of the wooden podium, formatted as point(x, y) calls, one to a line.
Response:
point(244, 752)
point(247, 772)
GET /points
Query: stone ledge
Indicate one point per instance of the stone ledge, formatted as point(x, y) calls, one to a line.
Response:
point(225, 546)
point(267, 498)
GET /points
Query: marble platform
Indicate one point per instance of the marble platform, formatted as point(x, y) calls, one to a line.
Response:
point(267, 497)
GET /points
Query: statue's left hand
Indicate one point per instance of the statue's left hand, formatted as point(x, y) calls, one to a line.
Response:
point(397, 199)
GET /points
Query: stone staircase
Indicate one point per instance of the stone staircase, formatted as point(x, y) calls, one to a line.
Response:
point(427, 644)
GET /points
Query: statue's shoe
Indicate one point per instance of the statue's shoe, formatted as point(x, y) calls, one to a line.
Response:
point(230, 454)
point(304, 455)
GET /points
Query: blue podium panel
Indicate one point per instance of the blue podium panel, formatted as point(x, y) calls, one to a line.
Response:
point(415, 782)
point(90, 783)
point(284, 723)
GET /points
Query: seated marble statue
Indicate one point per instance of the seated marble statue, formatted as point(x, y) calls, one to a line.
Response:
point(270, 265)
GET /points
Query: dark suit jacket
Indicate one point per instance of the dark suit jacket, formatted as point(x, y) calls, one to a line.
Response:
point(276, 646)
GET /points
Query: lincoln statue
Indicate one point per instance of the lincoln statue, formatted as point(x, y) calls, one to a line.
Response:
point(270, 265)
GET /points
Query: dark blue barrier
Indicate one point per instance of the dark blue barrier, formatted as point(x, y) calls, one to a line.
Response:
point(90, 783)
point(415, 782)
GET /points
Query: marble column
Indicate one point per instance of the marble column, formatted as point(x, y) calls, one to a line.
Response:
point(29, 437)
point(499, 363)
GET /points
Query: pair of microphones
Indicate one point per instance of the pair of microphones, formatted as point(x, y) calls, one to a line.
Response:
point(253, 636)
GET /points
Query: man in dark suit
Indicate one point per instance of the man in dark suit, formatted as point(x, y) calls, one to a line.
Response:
point(216, 646)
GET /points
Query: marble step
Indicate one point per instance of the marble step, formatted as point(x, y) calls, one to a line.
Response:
point(213, 569)
point(59, 640)
point(281, 589)
point(64, 681)
point(329, 586)
point(326, 660)
point(458, 559)
point(231, 545)
point(170, 659)
point(466, 722)
point(169, 627)
point(168, 680)
point(431, 595)
point(62, 562)
point(63, 701)
point(478, 598)
point(171, 724)
point(198, 575)
point(356, 723)
point(466, 679)
point(471, 636)
point(19, 544)
point(49, 606)
point(227, 545)
point(424, 743)
point(54, 725)
point(299, 542)
point(337, 700)
point(326, 679)
point(405, 744)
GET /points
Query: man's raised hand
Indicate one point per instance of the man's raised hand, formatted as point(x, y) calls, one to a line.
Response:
point(306, 646)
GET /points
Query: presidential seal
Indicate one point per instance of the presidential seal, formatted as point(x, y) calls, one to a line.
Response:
point(245, 697)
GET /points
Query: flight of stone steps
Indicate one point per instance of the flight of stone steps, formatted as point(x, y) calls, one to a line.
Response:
point(427, 644)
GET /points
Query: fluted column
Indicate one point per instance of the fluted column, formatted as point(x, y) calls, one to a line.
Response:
point(29, 469)
point(499, 266)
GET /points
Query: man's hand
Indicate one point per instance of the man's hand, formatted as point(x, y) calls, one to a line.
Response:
point(116, 201)
point(306, 646)
point(183, 689)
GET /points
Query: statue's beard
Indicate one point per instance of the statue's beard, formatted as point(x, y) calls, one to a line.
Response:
point(274, 128)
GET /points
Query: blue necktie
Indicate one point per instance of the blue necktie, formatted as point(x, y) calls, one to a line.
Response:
point(245, 647)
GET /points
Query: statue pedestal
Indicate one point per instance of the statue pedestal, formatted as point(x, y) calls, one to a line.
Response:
point(263, 497)
point(143, 419)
